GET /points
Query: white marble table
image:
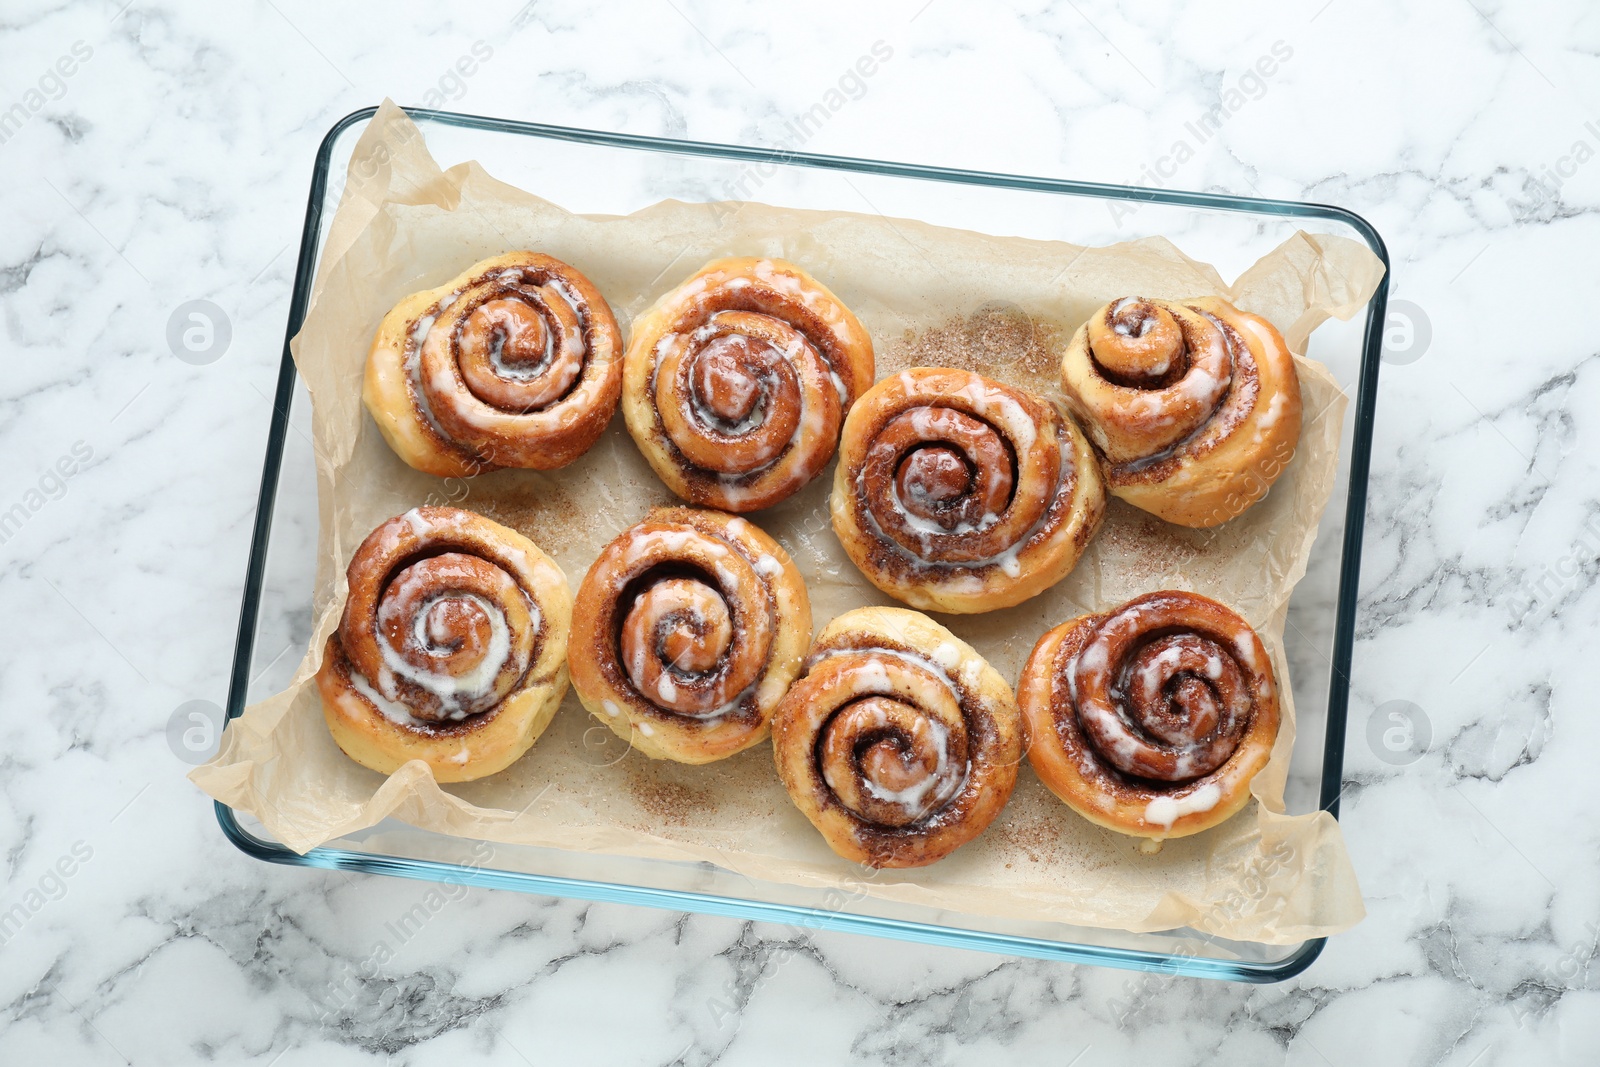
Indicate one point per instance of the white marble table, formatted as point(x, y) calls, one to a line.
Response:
point(158, 153)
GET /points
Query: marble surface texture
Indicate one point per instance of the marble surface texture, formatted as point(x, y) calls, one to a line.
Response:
point(154, 153)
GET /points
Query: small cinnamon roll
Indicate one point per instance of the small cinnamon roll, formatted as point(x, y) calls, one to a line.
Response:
point(1194, 404)
point(1153, 718)
point(687, 630)
point(737, 380)
point(451, 649)
point(899, 742)
point(516, 362)
point(958, 493)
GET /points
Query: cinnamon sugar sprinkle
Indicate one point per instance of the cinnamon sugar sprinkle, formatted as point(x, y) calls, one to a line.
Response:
point(999, 340)
point(1035, 838)
point(670, 802)
point(547, 515)
point(1146, 549)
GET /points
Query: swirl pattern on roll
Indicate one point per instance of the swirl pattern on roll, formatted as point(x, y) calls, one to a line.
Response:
point(958, 493)
point(1153, 718)
point(687, 630)
point(1194, 404)
point(451, 648)
point(736, 382)
point(898, 742)
point(515, 363)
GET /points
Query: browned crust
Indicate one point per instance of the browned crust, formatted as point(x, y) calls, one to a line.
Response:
point(994, 737)
point(1233, 457)
point(834, 331)
point(1069, 765)
point(402, 412)
point(1074, 502)
point(605, 688)
point(480, 744)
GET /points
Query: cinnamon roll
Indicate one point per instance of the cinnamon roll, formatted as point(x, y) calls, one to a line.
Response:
point(899, 742)
point(1152, 718)
point(513, 363)
point(958, 493)
point(737, 380)
point(1194, 404)
point(452, 646)
point(687, 631)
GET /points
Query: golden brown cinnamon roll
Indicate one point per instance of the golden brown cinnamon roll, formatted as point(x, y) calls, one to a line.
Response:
point(1194, 404)
point(1151, 719)
point(451, 649)
point(899, 742)
point(737, 380)
point(686, 633)
point(516, 362)
point(958, 493)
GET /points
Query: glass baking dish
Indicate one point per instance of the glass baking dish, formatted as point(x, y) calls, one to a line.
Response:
point(590, 171)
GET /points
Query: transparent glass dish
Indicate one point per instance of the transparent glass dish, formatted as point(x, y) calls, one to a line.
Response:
point(589, 171)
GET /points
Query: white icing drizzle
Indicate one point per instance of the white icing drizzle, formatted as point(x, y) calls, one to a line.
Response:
point(523, 372)
point(716, 715)
point(419, 525)
point(914, 797)
point(673, 543)
point(1149, 676)
point(876, 682)
point(839, 386)
point(1094, 657)
point(972, 673)
point(1270, 416)
point(878, 676)
point(666, 688)
point(1145, 324)
point(454, 692)
point(1198, 385)
point(392, 710)
point(1164, 811)
point(752, 421)
point(947, 656)
point(1022, 433)
point(735, 486)
point(446, 378)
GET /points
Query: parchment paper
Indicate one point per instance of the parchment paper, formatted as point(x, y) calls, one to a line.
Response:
point(929, 296)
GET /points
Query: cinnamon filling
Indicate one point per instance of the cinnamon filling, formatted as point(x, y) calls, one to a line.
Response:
point(889, 763)
point(1160, 695)
point(515, 334)
point(675, 629)
point(730, 397)
point(1139, 344)
point(728, 377)
point(941, 466)
point(521, 350)
point(454, 636)
point(930, 480)
point(688, 622)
